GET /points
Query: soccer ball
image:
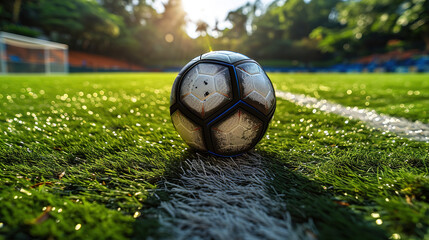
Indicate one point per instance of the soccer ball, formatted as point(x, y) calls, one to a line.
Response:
point(222, 103)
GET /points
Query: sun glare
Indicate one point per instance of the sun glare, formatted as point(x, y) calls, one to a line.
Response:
point(208, 11)
point(198, 9)
point(169, 37)
point(211, 11)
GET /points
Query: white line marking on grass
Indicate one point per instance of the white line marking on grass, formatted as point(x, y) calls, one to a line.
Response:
point(227, 198)
point(400, 126)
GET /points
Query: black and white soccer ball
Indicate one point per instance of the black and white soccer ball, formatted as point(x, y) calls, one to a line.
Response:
point(222, 103)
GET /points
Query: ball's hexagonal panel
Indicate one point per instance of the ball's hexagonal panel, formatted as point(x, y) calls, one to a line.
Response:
point(190, 132)
point(256, 88)
point(224, 56)
point(206, 88)
point(236, 133)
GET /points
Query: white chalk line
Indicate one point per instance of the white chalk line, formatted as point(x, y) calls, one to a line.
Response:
point(400, 126)
point(228, 198)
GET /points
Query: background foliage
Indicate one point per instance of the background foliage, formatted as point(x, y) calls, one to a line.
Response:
point(296, 31)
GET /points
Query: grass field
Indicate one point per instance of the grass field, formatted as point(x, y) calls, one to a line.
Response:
point(402, 95)
point(82, 156)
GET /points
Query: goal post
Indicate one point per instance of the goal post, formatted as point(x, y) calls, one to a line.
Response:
point(20, 54)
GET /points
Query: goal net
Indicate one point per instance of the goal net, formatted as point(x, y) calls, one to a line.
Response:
point(19, 54)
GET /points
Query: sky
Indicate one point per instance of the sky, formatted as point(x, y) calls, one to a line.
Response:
point(209, 11)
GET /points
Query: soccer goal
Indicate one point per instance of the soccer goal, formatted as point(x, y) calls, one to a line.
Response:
point(20, 54)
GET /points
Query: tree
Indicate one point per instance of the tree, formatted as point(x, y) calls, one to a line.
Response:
point(134, 12)
point(202, 28)
point(76, 22)
point(238, 19)
point(367, 25)
point(282, 31)
point(138, 35)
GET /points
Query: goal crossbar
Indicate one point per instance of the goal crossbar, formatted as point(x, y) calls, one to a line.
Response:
point(21, 54)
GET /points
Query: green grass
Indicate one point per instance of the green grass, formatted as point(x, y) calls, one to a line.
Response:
point(330, 163)
point(96, 146)
point(110, 137)
point(403, 95)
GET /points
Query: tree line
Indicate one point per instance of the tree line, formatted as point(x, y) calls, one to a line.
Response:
point(285, 32)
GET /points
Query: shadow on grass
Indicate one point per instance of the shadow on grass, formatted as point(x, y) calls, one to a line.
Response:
point(305, 200)
point(148, 225)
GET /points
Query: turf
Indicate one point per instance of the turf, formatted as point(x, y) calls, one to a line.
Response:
point(102, 139)
point(82, 155)
point(402, 95)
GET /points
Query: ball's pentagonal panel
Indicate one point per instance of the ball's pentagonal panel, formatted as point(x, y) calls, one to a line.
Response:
point(190, 132)
point(256, 88)
point(206, 88)
point(224, 56)
point(236, 133)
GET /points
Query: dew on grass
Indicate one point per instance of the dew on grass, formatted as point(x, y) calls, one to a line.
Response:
point(379, 221)
point(395, 236)
point(78, 226)
point(375, 215)
point(25, 191)
point(1, 225)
